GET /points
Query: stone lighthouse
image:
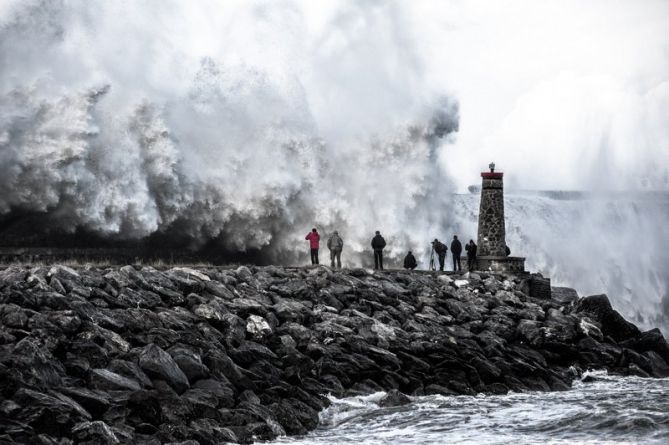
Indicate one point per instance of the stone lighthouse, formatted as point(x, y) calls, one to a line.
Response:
point(492, 253)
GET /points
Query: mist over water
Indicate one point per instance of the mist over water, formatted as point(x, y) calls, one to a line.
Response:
point(249, 123)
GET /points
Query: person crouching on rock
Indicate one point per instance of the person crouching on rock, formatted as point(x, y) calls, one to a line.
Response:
point(470, 247)
point(335, 244)
point(410, 261)
point(314, 238)
point(378, 243)
point(441, 250)
point(456, 250)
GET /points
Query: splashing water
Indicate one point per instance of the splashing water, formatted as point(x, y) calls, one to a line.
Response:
point(109, 123)
point(626, 410)
point(249, 123)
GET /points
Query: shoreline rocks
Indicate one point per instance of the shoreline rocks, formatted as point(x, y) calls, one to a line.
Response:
point(212, 355)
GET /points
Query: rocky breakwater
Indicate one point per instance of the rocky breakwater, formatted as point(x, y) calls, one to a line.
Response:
point(139, 355)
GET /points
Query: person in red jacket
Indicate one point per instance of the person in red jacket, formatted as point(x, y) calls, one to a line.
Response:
point(314, 238)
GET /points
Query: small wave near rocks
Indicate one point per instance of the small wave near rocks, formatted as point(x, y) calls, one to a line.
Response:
point(599, 409)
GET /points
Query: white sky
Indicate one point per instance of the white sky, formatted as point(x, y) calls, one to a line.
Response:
point(578, 88)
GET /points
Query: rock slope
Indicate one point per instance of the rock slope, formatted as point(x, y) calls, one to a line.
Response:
point(139, 355)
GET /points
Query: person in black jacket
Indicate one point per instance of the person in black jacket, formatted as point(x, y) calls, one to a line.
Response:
point(378, 243)
point(456, 250)
point(441, 250)
point(470, 247)
point(410, 261)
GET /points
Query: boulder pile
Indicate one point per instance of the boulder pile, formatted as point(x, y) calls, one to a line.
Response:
point(214, 355)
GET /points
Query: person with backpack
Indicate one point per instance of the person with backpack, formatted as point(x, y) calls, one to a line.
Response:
point(470, 247)
point(335, 244)
point(378, 243)
point(456, 250)
point(410, 261)
point(441, 250)
point(314, 241)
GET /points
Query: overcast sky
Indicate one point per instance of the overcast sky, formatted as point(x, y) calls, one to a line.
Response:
point(562, 94)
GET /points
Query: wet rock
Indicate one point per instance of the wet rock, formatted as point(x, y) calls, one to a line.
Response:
point(394, 398)
point(652, 340)
point(51, 413)
point(158, 364)
point(190, 363)
point(657, 366)
point(104, 379)
point(96, 432)
point(613, 324)
point(95, 402)
point(208, 431)
point(36, 364)
point(130, 370)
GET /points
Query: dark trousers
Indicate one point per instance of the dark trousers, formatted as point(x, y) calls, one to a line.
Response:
point(378, 259)
point(335, 254)
point(442, 260)
point(456, 262)
point(471, 263)
point(314, 256)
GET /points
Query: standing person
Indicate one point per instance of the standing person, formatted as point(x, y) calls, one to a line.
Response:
point(456, 250)
point(471, 255)
point(378, 243)
point(441, 250)
point(410, 261)
point(335, 244)
point(314, 238)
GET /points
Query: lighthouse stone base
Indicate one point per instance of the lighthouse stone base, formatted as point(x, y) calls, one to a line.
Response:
point(512, 264)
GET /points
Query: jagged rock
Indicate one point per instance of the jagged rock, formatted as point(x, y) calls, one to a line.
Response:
point(159, 364)
point(37, 365)
point(657, 366)
point(222, 390)
point(652, 340)
point(190, 363)
point(460, 283)
point(95, 402)
point(52, 412)
point(130, 370)
point(96, 432)
point(563, 295)
point(190, 273)
point(613, 324)
point(257, 327)
point(64, 273)
point(394, 398)
point(243, 273)
point(247, 354)
point(107, 380)
point(209, 431)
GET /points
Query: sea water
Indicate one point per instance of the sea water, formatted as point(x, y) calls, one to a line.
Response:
point(603, 410)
